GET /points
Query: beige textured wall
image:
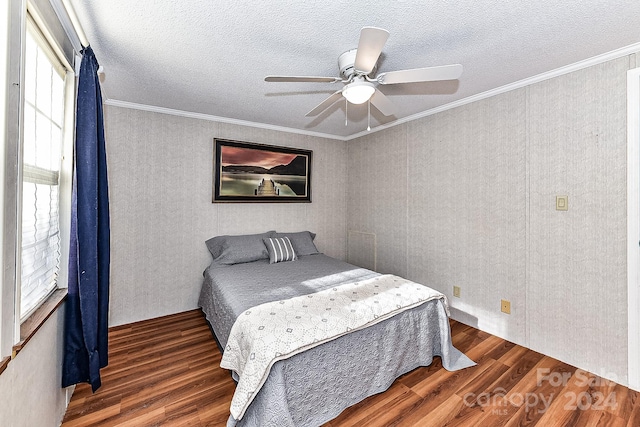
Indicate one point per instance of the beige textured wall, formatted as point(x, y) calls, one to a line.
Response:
point(30, 392)
point(467, 197)
point(467, 207)
point(577, 274)
point(377, 195)
point(160, 178)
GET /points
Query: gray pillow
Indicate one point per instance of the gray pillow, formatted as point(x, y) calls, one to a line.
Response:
point(302, 242)
point(228, 250)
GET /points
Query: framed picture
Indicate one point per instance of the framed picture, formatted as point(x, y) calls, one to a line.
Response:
point(249, 172)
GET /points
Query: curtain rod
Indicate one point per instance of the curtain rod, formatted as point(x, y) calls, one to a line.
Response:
point(77, 27)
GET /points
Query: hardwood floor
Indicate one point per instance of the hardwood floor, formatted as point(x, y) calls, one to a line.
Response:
point(166, 372)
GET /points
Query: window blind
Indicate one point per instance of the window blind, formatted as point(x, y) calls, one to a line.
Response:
point(42, 151)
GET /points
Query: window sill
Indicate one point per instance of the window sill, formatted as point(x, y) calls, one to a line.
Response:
point(29, 327)
point(4, 363)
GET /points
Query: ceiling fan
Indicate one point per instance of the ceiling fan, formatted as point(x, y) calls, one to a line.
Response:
point(357, 67)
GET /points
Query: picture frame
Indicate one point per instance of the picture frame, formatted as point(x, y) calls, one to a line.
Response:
point(260, 173)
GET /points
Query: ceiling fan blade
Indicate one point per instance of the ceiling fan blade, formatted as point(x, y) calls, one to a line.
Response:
point(325, 104)
point(429, 74)
point(370, 46)
point(382, 103)
point(292, 79)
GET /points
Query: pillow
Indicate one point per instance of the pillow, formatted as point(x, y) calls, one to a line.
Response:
point(280, 249)
point(228, 250)
point(302, 242)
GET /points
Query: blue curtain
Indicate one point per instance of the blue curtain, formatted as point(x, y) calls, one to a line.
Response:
point(87, 307)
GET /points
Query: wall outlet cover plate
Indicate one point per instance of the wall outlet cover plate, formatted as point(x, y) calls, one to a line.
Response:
point(505, 306)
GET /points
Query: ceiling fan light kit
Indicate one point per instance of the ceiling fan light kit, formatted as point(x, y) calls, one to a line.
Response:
point(359, 91)
point(356, 66)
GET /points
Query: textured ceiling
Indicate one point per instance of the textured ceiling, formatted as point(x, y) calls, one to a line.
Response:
point(211, 56)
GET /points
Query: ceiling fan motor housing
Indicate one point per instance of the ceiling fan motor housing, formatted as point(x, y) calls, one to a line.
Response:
point(346, 62)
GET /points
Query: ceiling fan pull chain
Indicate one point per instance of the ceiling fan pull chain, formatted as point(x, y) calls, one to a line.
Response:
point(346, 112)
point(369, 115)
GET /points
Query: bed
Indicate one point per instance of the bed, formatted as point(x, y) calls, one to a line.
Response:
point(313, 385)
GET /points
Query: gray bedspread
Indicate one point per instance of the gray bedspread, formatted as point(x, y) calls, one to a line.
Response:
point(228, 290)
point(315, 386)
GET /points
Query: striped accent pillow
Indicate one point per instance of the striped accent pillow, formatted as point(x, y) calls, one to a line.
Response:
point(280, 249)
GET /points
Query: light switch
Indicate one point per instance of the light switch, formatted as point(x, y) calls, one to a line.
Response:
point(562, 203)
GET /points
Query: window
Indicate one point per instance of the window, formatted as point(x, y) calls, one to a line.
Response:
point(43, 121)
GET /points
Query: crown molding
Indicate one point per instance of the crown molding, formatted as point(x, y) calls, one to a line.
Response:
point(211, 118)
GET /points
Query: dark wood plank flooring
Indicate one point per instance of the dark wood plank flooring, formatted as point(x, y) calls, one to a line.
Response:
point(166, 371)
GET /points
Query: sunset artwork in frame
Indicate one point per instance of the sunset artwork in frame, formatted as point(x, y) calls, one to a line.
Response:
point(250, 172)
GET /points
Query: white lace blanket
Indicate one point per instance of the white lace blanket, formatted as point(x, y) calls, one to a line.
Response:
point(278, 330)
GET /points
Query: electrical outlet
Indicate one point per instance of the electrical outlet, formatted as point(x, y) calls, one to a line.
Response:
point(456, 291)
point(505, 306)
